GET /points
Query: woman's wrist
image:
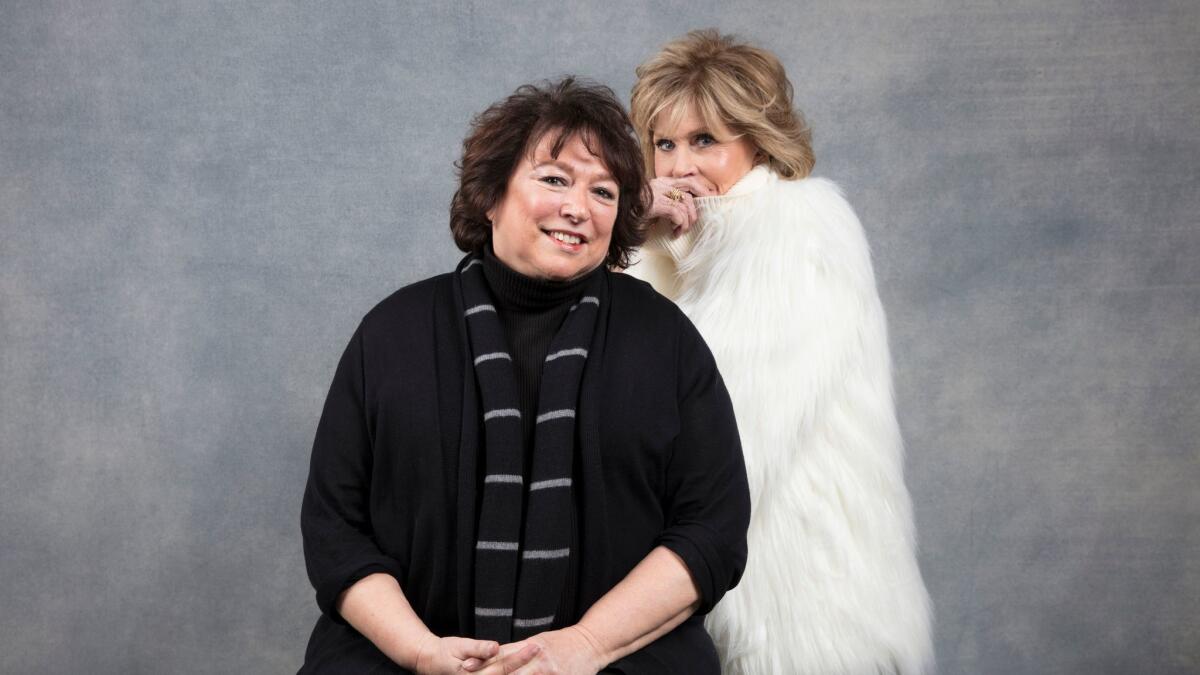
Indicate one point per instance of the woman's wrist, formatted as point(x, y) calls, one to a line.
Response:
point(376, 606)
point(601, 655)
point(408, 647)
point(416, 657)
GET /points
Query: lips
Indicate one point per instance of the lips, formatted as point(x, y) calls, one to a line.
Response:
point(568, 241)
point(567, 237)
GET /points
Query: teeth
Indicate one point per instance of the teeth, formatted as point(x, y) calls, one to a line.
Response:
point(566, 238)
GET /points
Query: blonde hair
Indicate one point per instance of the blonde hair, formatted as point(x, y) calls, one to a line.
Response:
point(729, 84)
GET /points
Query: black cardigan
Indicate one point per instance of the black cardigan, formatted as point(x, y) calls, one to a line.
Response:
point(391, 489)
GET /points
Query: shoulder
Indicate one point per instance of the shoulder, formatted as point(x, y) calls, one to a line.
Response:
point(410, 306)
point(636, 300)
point(820, 203)
point(815, 213)
point(647, 316)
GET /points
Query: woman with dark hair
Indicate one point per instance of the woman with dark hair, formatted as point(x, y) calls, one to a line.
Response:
point(529, 464)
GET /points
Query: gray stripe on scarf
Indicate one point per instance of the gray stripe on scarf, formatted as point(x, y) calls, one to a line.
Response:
point(555, 414)
point(479, 308)
point(546, 554)
point(496, 545)
point(552, 483)
point(567, 352)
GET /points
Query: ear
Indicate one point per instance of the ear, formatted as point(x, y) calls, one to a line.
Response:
point(490, 214)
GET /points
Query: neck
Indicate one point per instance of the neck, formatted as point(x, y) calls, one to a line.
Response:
point(519, 291)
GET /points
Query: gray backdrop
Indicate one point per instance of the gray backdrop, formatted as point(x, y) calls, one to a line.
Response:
point(199, 200)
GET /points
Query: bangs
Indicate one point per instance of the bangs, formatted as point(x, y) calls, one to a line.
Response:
point(670, 113)
point(599, 144)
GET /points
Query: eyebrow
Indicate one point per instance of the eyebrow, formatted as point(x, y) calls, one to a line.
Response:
point(569, 167)
point(694, 132)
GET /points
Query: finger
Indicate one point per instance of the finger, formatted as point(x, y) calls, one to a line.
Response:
point(479, 649)
point(471, 665)
point(527, 654)
point(661, 185)
point(709, 187)
point(697, 186)
point(660, 206)
point(690, 202)
point(684, 223)
point(509, 663)
point(659, 188)
point(671, 211)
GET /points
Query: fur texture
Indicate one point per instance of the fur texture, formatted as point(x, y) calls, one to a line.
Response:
point(777, 277)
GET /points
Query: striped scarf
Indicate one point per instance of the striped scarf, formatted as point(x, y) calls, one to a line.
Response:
point(519, 582)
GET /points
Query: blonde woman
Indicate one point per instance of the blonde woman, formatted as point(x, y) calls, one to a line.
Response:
point(773, 268)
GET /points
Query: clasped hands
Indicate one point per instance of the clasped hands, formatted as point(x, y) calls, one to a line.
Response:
point(569, 651)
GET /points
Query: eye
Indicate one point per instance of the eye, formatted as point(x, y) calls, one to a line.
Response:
point(664, 144)
point(704, 140)
point(604, 193)
point(558, 181)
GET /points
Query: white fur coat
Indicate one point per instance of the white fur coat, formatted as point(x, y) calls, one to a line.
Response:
point(777, 277)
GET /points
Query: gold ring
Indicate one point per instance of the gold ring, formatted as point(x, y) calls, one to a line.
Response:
point(675, 195)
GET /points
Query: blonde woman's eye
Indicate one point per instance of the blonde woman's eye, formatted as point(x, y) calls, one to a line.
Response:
point(664, 145)
point(704, 140)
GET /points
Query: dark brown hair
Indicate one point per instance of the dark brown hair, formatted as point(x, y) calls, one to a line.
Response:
point(568, 108)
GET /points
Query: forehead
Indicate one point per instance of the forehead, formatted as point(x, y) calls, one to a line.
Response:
point(577, 148)
point(682, 117)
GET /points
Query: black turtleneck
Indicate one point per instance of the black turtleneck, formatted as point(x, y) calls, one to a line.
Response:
point(531, 310)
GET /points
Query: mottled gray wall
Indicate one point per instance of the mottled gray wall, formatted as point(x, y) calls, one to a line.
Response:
point(198, 201)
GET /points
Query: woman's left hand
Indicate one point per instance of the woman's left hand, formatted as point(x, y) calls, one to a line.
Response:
point(568, 651)
point(671, 201)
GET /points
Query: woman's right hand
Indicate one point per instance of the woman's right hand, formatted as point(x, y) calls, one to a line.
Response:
point(680, 213)
point(456, 655)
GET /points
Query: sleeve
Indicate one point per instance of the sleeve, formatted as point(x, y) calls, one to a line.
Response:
point(826, 343)
point(708, 501)
point(339, 544)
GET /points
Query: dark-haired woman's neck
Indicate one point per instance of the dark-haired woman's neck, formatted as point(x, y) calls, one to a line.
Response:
point(514, 290)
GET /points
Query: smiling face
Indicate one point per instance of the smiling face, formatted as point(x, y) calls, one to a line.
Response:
point(556, 217)
point(693, 148)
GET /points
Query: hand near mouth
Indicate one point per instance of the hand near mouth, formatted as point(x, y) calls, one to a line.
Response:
point(673, 201)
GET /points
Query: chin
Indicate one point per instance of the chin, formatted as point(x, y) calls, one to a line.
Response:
point(560, 274)
point(556, 268)
point(565, 272)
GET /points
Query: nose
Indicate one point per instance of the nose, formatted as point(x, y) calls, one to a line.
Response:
point(574, 204)
point(682, 163)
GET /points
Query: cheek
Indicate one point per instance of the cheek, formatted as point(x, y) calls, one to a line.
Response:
point(521, 216)
point(661, 167)
point(604, 229)
point(540, 208)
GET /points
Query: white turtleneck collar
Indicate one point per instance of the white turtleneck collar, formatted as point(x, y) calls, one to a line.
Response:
point(678, 247)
